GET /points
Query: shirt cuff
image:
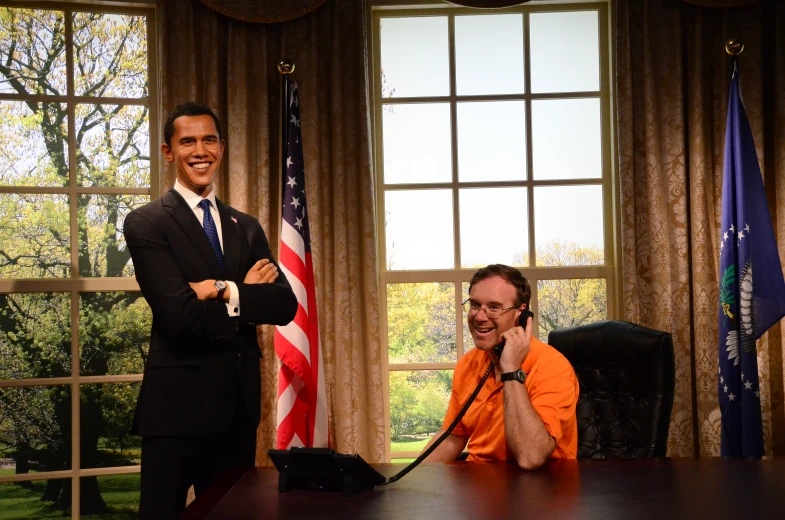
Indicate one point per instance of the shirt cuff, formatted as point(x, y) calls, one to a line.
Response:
point(233, 305)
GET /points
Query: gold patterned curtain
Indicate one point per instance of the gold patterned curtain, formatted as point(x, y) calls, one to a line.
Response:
point(673, 77)
point(231, 66)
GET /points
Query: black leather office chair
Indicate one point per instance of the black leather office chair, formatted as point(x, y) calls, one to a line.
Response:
point(627, 376)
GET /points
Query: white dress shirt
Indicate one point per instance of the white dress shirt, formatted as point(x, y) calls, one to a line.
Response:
point(193, 200)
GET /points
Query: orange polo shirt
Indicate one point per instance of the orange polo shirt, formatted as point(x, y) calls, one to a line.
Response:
point(553, 391)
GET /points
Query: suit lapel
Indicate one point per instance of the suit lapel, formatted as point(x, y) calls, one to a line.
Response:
point(230, 230)
point(193, 229)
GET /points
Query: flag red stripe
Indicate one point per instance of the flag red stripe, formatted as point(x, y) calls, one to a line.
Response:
point(293, 262)
point(292, 358)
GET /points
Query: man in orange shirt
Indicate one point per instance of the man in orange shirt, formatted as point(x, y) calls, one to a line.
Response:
point(525, 411)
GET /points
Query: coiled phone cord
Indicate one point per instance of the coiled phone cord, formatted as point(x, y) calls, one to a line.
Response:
point(460, 415)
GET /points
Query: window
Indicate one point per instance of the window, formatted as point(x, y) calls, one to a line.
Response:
point(76, 84)
point(493, 145)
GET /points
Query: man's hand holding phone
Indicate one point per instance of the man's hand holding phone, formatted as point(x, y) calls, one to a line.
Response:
point(516, 345)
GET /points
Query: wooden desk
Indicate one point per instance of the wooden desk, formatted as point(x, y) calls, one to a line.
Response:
point(678, 488)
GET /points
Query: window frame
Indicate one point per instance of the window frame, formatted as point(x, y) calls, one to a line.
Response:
point(609, 271)
point(76, 285)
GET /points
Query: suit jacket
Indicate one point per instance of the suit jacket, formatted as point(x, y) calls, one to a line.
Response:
point(199, 356)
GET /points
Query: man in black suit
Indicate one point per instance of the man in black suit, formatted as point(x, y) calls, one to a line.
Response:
point(208, 274)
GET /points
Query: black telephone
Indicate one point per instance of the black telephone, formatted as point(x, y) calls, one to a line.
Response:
point(522, 319)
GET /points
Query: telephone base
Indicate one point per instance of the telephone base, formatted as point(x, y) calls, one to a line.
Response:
point(322, 469)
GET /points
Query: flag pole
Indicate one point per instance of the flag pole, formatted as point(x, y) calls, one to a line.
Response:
point(285, 68)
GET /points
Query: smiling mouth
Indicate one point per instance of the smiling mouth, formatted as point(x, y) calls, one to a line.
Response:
point(482, 331)
point(200, 165)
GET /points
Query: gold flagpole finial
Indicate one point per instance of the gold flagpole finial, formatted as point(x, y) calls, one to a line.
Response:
point(734, 47)
point(286, 67)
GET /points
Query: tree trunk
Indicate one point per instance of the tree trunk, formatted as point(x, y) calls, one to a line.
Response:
point(58, 456)
point(91, 501)
point(23, 465)
point(53, 489)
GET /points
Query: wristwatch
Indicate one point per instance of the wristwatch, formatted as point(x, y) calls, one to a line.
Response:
point(518, 375)
point(220, 285)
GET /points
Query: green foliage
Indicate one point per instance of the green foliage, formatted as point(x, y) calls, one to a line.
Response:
point(34, 237)
point(573, 301)
point(418, 401)
point(117, 404)
point(421, 322)
point(35, 336)
point(29, 426)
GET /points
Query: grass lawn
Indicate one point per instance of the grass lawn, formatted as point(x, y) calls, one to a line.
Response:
point(19, 502)
point(120, 492)
point(407, 444)
point(413, 444)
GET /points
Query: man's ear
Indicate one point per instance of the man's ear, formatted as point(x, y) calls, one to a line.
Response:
point(167, 151)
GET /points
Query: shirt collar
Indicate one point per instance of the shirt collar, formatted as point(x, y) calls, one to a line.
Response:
point(481, 359)
point(191, 198)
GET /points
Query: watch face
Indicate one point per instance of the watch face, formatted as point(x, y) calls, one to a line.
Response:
point(220, 285)
point(520, 375)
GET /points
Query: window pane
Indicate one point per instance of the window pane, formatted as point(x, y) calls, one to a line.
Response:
point(101, 218)
point(492, 141)
point(114, 333)
point(565, 51)
point(25, 157)
point(110, 55)
point(417, 143)
point(36, 499)
point(421, 322)
point(566, 139)
point(120, 494)
point(489, 54)
point(418, 403)
point(569, 303)
point(114, 147)
point(106, 412)
point(35, 428)
point(494, 227)
point(37, 38)
point(418, 228)
point(568, 225)
point(35, 335)
point(415, 56)
point(34, 239)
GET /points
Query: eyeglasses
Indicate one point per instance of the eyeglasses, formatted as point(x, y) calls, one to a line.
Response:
point(493, 311)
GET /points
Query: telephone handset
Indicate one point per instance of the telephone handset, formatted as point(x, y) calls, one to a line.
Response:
point(522, 319)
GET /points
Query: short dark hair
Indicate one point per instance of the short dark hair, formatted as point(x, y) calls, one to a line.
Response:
point(189, 109)
point(509, 274)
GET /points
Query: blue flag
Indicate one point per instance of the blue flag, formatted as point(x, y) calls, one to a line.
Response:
point(749, 304)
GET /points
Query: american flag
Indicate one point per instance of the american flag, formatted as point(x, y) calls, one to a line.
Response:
point(302, 402)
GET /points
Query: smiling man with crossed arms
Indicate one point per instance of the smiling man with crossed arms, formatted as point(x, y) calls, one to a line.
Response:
point(208, 274)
